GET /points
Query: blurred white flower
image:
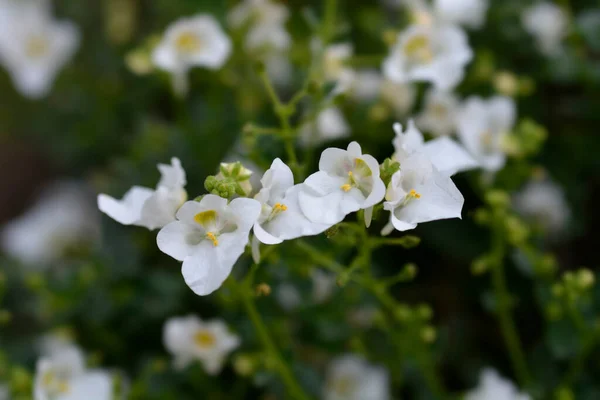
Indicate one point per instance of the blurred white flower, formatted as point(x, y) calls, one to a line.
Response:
point(209, 236)
point(543, 202)
point(265, 21)
point(439, 114)
point(329, 124)
point(548, 24)
point(279, 68)
point(190, 42)
point(63, 217)
point(335, 57)
point(351, 377)
point(323, 283)
point(493, 387)
point(189, 339)
point(149, 208)
point(62, 375)
point(446, 155)
point(431, 53)
point(469, 13)
point(420, 193)
point(288, 296)
point(4, 392)
point(483, 126)
point(33, 45)
point(370, 85)
point(347, 181)
point(280, 218)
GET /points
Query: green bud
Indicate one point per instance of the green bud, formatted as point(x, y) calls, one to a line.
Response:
point(585, 278)
point(481, 216)
point(480, 266)
point(428, 334)
point(244, 365)
point(497, 199)
point(517, 230)
point(424, 311)
point(564, 393)
point(210, 182)
point(547, 265)
point(403, 313)
point(558, 290)
point(410, 271)
point(388, 169)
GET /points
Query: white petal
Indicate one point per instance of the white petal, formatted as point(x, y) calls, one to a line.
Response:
point(354, 150)
point(448, 156)
point(255, 250)
point(332, 160)
point(209, 266)
point(322, 209)
point(173, 175)
point(369, 215)
point(400, 225)
point(322, 183)
point(177, 334)
point(160, 208)
point(264, 236)
point(93, 385)
point(246, 212)
point(128, 210)
point(178, 240)
point(189, 209)
point(277, 180)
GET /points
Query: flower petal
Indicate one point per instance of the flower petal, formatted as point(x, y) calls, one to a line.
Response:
point(448, 156)
point(246, 212)
point(128, 210)
point(265, 237)
point(178, 240)
point(321, 183)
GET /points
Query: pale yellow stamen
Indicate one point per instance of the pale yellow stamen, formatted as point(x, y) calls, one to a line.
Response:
point(36, 46)
point(205, 339)
point(346, 187)
point(279, 207)
point(213, 238)
point(419, 48)
point(188, 42)
point(413, 194)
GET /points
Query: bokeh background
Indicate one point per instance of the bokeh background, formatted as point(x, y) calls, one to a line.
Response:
point(107, 127)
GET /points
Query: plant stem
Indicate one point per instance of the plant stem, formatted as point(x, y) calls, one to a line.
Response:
point(505, 319)
point(294, 389)
point(328, 28)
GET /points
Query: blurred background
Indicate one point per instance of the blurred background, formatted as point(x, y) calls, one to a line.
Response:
point(106, 122)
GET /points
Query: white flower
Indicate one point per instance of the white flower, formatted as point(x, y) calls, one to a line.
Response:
point(366, 85)
point(432, 53)
point(439, 114)
point(400, 96)
point(64, 216)
point(190, 42)
point(330, 124)
point(347, 181)
point(351, 377)
point(189, 339)
point(209, 236)
point(149, 208)
point(420, 193)
point(544, 203)
point(469, 13)
point(62, 375)
point(288, 296)
point(281, 218)
point(4, 392)
point(494, 387)
point(548, 24)
point(446, 155)
point(483, 126)
point(266, 21)
point(33, 45)
point(335, 57)
point(323, 283)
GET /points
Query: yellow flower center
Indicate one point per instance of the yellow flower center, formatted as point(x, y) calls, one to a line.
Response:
point(419, 49)
point(36, 46)
point(206, 218)
point(188, 43)
point(54, 384)
point(213, 238)
point(205, 339)
point(346, 187)
point(280, 207)
point(413, 194)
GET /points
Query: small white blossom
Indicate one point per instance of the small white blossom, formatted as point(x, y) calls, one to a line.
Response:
point(420, 193)
point(281, 217)
point(62, 217)
point(209, 236)
point(544, 203)
point(399, 96)
point(190, 42)
point(548, 24)
point(149, 208)
point(494, 387)
point(189, 339)
point(33, 45)
point(439, 114)
point(324, 284)
point(446, 155)
point(347, 181)
point(469, 13)
point(335, 58)
point(329, 124)
point(266, 21)
point(61, 375)
point(367, 85)
point(288, 296)
point(483, 126)
point(431, 53)
point(351, 377)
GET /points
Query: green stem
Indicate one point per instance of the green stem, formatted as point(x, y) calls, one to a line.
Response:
point(294, 389)
point(328, 28)
point(505, 319)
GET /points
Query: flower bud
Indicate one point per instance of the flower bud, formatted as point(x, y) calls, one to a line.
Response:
point(497, 199)
point(585, 278)
point(506, 83)
point(428, 334)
